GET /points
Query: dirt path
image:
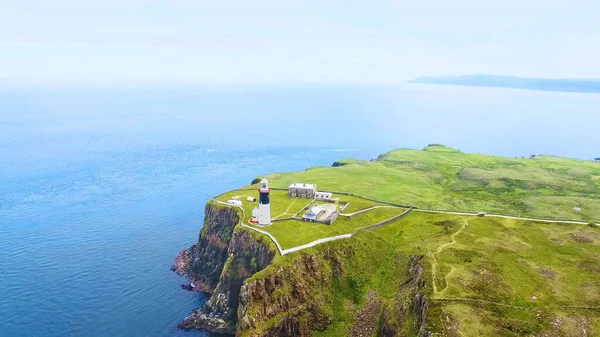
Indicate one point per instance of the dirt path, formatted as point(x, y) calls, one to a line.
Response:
point(436, 293)
point(286, 211)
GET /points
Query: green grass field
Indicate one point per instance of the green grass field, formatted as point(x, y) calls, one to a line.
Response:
point(443, 178)
point(543, 267)
point(513, 262)
point(504, 260)
point(435, 178)
point(512, 277)
point(292, 233)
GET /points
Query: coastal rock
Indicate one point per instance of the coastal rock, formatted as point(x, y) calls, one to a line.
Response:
point(293, 295)
point(200, 320)
point(203, 263)
point(410, 304)
point(219, 263)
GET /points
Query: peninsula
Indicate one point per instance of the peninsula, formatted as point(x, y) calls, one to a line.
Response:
point(414, 243)
point(545, 84)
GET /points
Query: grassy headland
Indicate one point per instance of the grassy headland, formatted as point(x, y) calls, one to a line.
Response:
point(499, 277)
point(442, 178)
point(483, 276)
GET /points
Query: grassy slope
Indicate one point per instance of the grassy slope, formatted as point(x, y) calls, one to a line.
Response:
point(437, 178)
point(499, 260)
point(503, 261)
point(443, 178)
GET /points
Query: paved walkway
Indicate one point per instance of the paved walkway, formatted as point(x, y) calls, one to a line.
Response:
point(316, 242)
point(308, 245)
point(346, 236)
point(281, 250)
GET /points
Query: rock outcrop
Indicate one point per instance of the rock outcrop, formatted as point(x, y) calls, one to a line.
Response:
point(410, 304)
point(203, 262)
point(219, 263)
point(292, 297)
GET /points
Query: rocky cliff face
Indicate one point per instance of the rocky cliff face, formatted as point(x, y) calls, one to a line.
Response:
point(293, 298)
point(204, 261)
point(296, 299)
point(219, 263)
point(294, 295)
point(410, 305)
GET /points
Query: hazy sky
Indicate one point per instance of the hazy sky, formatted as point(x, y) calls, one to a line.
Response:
point(295, 41)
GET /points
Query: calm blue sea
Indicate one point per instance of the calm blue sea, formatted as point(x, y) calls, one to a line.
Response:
point(101, 187)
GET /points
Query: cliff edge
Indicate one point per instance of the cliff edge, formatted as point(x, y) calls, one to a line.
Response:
point(225, 255)
point(255, 292)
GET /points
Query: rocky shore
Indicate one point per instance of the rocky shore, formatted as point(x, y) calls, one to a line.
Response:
point(182, 266)
point(218, 265)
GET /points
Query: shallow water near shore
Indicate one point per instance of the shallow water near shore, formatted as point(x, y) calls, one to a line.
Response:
point(100, 188)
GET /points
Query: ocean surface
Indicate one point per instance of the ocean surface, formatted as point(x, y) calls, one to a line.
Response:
point(101, 187)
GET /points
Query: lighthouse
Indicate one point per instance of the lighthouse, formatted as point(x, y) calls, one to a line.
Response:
point(264, 204)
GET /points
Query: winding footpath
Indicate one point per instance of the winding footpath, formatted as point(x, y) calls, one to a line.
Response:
point(310, 244)
point(434, 260)
point(349, 235)
point(281, 250)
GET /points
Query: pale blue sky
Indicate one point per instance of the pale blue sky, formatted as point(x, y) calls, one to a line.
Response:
point(75, 41)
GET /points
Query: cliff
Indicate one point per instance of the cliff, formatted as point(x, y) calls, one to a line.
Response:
point(223, 258)
point(380, 280)
point(204, 261)
point(330, 288)
point(410, 305)
point(291, 299)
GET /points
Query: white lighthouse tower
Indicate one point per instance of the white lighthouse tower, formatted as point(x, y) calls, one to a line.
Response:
point(264, 204)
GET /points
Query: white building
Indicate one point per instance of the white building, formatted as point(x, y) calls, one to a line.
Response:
point(234, 202)
point(313, 212)
point(301, 190)
point(323, 195)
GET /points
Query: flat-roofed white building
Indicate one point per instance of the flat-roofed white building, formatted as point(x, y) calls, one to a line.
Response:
point(323, 195)
point(313, 212)
point(234, 202)
point(302, 190)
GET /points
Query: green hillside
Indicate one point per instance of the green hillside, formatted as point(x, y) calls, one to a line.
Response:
point(438, 177)
point(481, 276)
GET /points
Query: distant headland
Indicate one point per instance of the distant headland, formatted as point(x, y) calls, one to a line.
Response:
point(545, 84)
